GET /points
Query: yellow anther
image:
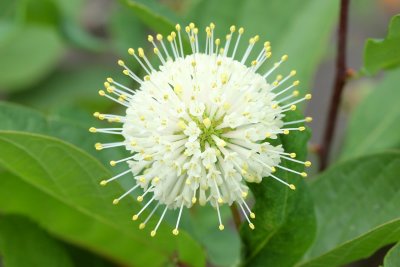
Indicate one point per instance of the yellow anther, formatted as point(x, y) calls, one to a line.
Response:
point(307, 163)
point(139, 198)
point(131, 51)
point(267, 44)
point(191, 25)
point(227, 106)
point(126, 72)
point(115, 201)
point(142, 226)
point(194, 199)
point(221, 51)
point(295, 93)
point(267, 135)
point(221, 143)
point(110, 80)
point(96, 114)
point(292, 186)
point(254, 62)
point(308, 119)
point(207, 122)
point(106, 84)
point(256, 38)
point(142, 179)
point(220, 200)
point(268, 49)
point(308, 96)
point(133, 143)
point(293, 107)
point(178, 27)
point(228, 37)
point(212, 26)
point(273, 169)
point(182, 124)
point(219, 62)
point(284, 57)
point(156, 179)
point(252, 215)
point(274, 106)
point(224, 78)
point(159, 37)
point(187, 29)
point(173, 35)
point(302, 128)
point(102, 93)
point(295, 83)
point(150, 38)
point(141, 52)
point(251, 226)
point(155, 50)
point(303, 174)
point(193, 63)
point(169, 38)
point(292, 155)
point(135, 217)
point(293, 72)
point(113, 163)
point(147, 78)
point(252, 41)
point(121, 63)
point(92, 129)
point(241, 30)
point(175, 232)
point(148, 158)
point(268, 54)
point(98, 146)
point(165, 96)
point(221, 227)
point(275, 83)
point(153, 233)
point(217, 41)
point(103, 183)
point(101, 117)
point(232, 28)
point(244, 194)
point(208, 30)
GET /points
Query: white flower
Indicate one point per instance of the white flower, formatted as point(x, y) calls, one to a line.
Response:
point(198, 125)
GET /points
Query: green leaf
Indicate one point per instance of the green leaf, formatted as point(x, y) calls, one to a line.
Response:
point(374, 124)
point(58, 186)
point(301, 31)
point(24, 244)
point(27, 55)
point(285, 219)
point(357, 209)
point(392, 258)
point(384, 54)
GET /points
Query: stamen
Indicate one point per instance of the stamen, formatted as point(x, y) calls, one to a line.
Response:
point(241, 30)
point(291, 186)
point(104, 182)
point(102, 93)
point(115, 162)
point(251, 225)
point(160, 40)
point(140, 198)
point(307, 119)
point(143, 224)
point(153, 233)
point(306, 97)
point(136, 216)
point(176, 231)
point(221, 226)
point(276, 65)
point(116, 201)
point(178, 29)
point(303, 174)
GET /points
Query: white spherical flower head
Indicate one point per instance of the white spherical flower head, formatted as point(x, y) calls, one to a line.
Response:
point(197, 127)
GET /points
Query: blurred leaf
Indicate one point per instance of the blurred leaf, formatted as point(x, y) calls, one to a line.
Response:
point(392, 258)
point(301, 31)
point(384, 54)
point(158, 17)
point(24, 244)
point(28, 55)
point(285, 219)
point(64, 196)
point(357, 209)
point(374, 124)
point(126, 30)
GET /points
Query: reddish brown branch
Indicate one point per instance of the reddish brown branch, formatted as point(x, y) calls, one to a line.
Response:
point(339, 83)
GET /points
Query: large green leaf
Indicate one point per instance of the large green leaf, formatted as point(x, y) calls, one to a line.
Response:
point(285, 219)
point(392, 258)
point(357, 209)
point(58, 186)
point(24, 244)
point(374, 125)
point(384, 54)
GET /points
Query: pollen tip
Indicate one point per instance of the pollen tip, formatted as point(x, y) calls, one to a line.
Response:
point(295, 83)
point(142, 226)
point(121, 63)
point(286, 132)
point(273, 169)
point(308, 119)
point(96, 114)
point(221, 227)
point(267, 135)
point(139, 198)
point(126, 72)
point(110, 80)
point(103, 183)
point(175, 231)
point(131, 51)
point(274, 106)
point(241, 30)
point(252, 215)
point(150, 38)
point(293, 107)
point(92, 129)
point(292, 155)
point(159, 37)
point(135, 217)
point(284, 57)
point(153, 233)
point(112, 163)
point(194, 200)
point(304, 174)
point(307, 163)
point(244, 194)
point(296, 93)
point(102, 93)
point(98, 146)
point(220, 200)
point(308, 96)
point(251, 226)
point(293, 72)
point(302, 128)
point(232, 28)
point(115, 201)
point(292, 186)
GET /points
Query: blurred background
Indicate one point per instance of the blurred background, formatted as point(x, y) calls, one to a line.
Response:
point(56, 54)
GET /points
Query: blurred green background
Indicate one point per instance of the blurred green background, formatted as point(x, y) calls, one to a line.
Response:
point(56, 54)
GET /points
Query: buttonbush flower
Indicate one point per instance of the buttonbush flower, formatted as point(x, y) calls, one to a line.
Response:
point(197, 126)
